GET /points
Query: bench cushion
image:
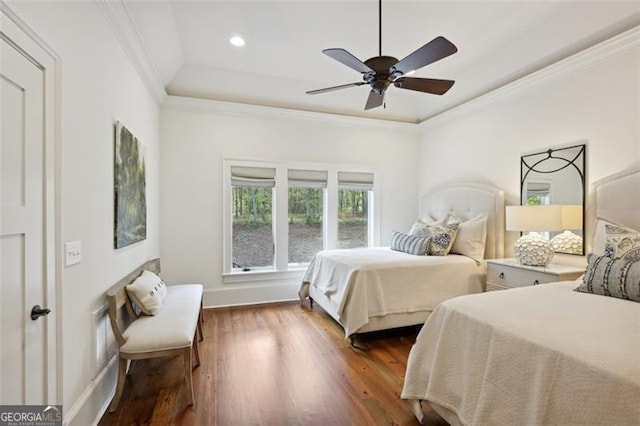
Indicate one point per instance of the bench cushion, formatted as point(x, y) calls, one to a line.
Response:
point(172, 328)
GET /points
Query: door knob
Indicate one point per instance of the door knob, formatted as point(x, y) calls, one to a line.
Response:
point(38, 311)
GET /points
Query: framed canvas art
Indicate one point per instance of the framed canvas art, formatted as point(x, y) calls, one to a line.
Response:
point(130, 199)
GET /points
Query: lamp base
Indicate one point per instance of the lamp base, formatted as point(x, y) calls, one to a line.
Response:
point(533, 249)
point(567, 242)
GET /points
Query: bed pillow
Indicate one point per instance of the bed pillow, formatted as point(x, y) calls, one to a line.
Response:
point(607, 276)
point(604, 229)
point(148, 292)
point(624, 246)
point(409, 243)
point(442, 238)
point(419, 229)
point(431, 221)
point(471, 237)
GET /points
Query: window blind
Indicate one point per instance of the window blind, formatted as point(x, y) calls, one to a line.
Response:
point(355, 180)
point(253, 176)
point(538, 188)
point(307, 178)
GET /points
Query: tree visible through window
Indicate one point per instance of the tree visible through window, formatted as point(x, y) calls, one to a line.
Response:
point(354, 189)
point(352, 218)
point(252, 210)
point(305, 223)
point(252, 227)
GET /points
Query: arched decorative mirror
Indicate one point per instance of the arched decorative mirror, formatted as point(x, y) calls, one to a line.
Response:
point(556, 177)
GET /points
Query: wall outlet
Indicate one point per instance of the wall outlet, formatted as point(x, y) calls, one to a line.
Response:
point(73, 250)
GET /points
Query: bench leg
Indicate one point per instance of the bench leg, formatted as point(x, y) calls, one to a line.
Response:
point(196, 349)
point(122, 376)
point(200, 327)
point(187, 374)
point(201, 321)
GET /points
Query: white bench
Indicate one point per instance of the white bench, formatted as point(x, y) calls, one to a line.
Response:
point(170, 332)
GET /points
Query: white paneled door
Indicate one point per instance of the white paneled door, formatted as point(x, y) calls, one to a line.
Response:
point(27, 328)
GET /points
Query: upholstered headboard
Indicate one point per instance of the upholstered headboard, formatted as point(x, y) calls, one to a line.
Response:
point(468, 200)
point(617, 198)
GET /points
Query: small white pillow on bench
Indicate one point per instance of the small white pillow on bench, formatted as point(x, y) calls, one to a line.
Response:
point(148, 292)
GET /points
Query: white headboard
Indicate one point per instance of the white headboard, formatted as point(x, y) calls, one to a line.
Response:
point(617, 198)
point(468, 200)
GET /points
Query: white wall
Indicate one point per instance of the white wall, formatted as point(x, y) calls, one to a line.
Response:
point(98, 86)
point(594, 97)
point(197, 135)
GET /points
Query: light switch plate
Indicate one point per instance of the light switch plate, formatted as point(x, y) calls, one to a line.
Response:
point(73, 250)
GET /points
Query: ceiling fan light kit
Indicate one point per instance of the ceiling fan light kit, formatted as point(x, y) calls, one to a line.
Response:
point(380, 72)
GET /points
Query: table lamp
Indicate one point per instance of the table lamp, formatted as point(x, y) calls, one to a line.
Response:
point(567, 241)
point(533, 249)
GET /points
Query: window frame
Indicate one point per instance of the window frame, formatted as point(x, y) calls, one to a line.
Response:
point(280, 215)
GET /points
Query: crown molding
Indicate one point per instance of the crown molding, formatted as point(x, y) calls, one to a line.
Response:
point(124, 28)
point(590, 57)
point(179, 103)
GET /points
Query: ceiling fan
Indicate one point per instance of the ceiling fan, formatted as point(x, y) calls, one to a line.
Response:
point(380, 72)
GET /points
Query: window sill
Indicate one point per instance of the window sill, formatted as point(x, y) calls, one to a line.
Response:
point(255, 276)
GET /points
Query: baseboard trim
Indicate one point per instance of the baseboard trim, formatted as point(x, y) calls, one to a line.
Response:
point(240, 295)
point(88, 393)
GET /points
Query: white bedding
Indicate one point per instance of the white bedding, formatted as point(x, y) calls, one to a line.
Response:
point(534, 355)
point(376, 281)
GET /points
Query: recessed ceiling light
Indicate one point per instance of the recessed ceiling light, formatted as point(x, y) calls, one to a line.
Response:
point(237, 41)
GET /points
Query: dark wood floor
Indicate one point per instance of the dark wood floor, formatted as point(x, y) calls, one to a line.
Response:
point(278, 364)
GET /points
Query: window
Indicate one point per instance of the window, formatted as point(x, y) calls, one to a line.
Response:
point(538, 193)
point(306, 205)
point(252, 212)
point(278, 216)
point(353, 209)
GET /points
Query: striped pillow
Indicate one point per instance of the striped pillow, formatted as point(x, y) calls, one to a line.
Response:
point(612, 277)
point(409, 243)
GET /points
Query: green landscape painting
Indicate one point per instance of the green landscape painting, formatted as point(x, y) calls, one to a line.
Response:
point(130, 192)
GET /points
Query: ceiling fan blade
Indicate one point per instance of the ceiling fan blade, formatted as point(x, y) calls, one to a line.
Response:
point(348, 59)
point(433, 51)
point(375, 100)
point(427, 85)
point(331, 89)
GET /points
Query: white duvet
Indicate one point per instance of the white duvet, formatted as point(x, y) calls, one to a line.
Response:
point(530, 356)
point(377, 281)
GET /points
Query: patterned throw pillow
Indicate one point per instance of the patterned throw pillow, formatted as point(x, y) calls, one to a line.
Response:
point(442, 237)
point(612, 277)
point(148, 292)
point(625, 246)
point(605, 229)
point(409, 243)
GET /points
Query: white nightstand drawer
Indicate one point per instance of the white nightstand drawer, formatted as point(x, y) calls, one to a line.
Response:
point(508, 273)
point(514, 277)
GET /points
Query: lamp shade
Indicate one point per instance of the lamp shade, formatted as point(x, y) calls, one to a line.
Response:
point(543, 218)
point(571, 217)
point(533, 218)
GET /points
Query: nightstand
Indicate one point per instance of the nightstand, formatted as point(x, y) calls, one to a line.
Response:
point(509, 273)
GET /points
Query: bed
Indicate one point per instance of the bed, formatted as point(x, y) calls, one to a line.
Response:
point(542, 354)
point(376, 288)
